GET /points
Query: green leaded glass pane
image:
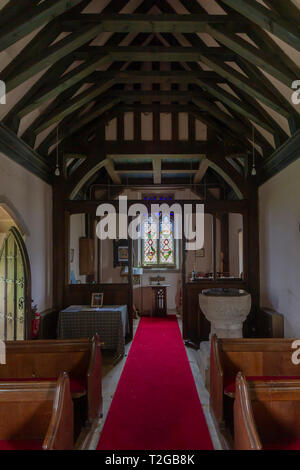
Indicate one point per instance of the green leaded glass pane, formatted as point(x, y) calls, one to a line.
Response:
point(150, 234)
point(10, 287)
point(12, 290)
point(20, 302)
point(166, 241)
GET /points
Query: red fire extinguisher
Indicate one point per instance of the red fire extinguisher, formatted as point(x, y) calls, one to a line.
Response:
point(35, 323)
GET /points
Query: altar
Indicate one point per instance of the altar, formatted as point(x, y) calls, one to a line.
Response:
point(83, 321)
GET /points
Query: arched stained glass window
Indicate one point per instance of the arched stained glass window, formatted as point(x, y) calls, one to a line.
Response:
point(158, 242)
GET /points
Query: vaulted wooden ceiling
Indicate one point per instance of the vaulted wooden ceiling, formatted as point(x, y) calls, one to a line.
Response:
point(72, 63)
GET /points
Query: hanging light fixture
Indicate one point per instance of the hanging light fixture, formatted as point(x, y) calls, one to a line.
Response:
point(253, 172)
point(57, 170)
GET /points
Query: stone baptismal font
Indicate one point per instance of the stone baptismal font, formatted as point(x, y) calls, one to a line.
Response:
point(226, 310)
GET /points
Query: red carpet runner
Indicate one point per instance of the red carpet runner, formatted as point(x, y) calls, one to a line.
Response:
point(156, 404)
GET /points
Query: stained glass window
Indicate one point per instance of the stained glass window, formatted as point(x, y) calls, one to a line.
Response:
point(150, 236)
point(158, 242)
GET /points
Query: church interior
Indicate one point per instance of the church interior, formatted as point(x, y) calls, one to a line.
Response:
point(149, 225)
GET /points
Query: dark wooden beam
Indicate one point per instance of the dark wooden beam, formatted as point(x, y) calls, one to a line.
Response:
point(51, 55)
point(257, 76)
point(215, 156)
point(165, 77)
point(30, 135)
point(12, 119)
point(154, 148)
point(172, 95)
point(285, 8)
point(84, 119)
point(63, 83)
point(71, 81)
point(16, 149)
point(69, 106)
point(175, 125)
point(234, 103)
point(41, 41)
point(34, 17)
point(268, 19)
point(154, 53)
point(244, 83)
point(252, 87)
point(235, 125)
point(149, 23)
point(264, 41)
point(253, 54)
point(120, 127)
point(85, 70)
point(13, 8)
point(279, 134)
point(280, 159)
point(137, 126)
point(260, 138)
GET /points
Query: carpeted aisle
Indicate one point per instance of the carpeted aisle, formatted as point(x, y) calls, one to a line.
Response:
point(156, 404)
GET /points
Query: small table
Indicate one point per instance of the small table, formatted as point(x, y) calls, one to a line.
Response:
point(159, 299)
point(83, 321)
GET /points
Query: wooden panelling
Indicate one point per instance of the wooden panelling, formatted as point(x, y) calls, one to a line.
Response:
point(81, 294)
point(86, 256)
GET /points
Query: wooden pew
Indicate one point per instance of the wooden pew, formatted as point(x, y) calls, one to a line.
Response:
point(265, 359)
point(266, 415)
point(46, 359)
point(36, 415)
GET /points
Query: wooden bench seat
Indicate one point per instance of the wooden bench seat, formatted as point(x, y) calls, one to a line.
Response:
point(267, 415)
point(36, 415)
point(259, 359)
point(44, 360)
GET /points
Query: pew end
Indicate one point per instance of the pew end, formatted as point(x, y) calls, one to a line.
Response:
point(60, 433)
point(267, 414)
point(216, 382)
point(246, 436)
point(258, 358)
point(36, 415)
point(94, 381)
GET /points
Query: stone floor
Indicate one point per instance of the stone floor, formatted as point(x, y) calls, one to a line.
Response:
point(111, 376)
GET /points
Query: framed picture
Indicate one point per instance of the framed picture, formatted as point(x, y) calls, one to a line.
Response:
point(97, 300)
point(120, 253)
